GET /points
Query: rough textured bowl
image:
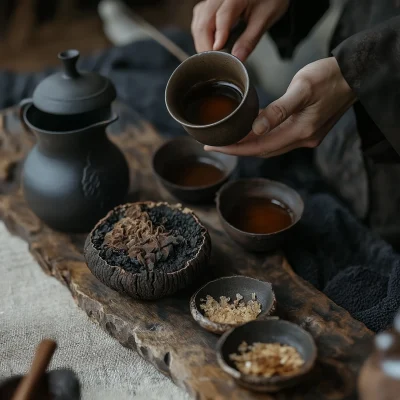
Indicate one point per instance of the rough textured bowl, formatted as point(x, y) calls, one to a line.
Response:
point(148, 285)
point(229, 286)
point(235, 192)
point(267, 331)
point(185, 147)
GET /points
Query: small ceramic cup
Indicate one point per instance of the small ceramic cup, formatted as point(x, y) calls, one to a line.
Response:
point(235, 192)
point(214, 66)
point(174, 153)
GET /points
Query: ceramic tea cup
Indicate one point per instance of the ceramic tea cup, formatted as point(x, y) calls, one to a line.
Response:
point(214, 66)
point(267, 331)
point(190, 173)
point(234, 197)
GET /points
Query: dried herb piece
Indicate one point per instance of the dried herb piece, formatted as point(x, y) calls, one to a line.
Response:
point(136, 237)
point(136, 234)
point(267, 359)
point(188, 237)
point(225, 312)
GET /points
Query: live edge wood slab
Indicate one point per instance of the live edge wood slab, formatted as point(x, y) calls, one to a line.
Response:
point(163, 332)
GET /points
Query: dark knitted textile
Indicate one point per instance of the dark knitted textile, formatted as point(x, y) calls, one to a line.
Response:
point(330, 248)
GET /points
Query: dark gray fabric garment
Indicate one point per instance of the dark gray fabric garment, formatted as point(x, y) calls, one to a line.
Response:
point(366, 42)
point(296, 24)
point(340, 161)
point(330, 247)
point(369, 62)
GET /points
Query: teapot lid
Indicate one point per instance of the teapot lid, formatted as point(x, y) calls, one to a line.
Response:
point(71, 91)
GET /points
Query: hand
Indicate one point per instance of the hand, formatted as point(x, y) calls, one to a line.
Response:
point(214, 19)
point(314, 101)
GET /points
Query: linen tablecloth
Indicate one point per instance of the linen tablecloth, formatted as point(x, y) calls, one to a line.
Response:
point(34, 306)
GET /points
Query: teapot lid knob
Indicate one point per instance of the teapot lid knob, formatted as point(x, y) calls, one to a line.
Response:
point(73, 91)
point(69, 59)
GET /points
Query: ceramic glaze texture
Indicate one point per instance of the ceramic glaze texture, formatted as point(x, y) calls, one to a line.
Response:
point(72, 179)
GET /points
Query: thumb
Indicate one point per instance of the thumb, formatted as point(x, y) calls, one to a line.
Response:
point(294, 100)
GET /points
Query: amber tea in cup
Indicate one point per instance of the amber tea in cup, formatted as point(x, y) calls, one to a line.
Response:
point(211, 96)
point(260, 215)
point(210, 102)
point(194, 172)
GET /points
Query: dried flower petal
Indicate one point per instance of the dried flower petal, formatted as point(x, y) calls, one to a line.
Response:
point(267, 359)
point(225, 312)
point(136, 234)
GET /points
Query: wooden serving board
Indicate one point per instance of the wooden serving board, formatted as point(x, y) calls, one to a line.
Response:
point(163, 332)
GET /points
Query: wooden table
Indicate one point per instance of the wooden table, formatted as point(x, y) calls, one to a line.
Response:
point(163, 332)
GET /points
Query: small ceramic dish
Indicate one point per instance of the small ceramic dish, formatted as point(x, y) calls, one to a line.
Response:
point(230, 286)
point(268, 331)
point(176, 156)
point(237, 192)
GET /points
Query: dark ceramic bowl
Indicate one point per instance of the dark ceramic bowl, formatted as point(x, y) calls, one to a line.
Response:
point(233, 193)
point(57, 385)
point(230, 286)
point(176, 152)
point(268, 331)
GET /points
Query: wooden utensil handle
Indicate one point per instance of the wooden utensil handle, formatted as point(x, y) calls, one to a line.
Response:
point(44, 353)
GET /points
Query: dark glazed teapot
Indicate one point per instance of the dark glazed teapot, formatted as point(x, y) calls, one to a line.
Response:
point(74, 174)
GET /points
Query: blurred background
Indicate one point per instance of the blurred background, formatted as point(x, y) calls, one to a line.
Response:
point(32, 32)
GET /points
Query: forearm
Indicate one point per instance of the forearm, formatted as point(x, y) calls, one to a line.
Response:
point(370, 63)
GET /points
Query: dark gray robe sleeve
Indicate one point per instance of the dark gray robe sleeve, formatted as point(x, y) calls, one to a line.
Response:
point(296, 24)
point(370, 63)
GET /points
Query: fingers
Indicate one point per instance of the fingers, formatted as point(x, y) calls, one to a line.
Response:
point(214, 19)
point(256, 145)
point(226, 17)
point(292, 134)
point(203, 24)
point(257, 24)
point(294, 100)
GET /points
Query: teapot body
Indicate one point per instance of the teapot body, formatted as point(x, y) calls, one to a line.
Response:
point(71, 179)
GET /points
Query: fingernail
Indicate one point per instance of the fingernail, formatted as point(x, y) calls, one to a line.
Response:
point(260, 126)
